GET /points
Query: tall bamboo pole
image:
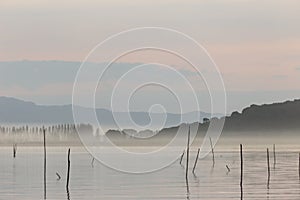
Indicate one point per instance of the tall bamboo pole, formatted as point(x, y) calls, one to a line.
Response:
point(45, 165)
point(274, 155)
point(268, 163)
point(212, 151)
point(187, 155)
point(241, 155)
point(196, 161)
point(299, 166)
point(68, 172)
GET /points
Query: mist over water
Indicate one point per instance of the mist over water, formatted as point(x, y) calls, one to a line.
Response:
point(21, 178)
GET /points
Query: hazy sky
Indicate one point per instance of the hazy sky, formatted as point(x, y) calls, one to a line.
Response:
point(256, 44)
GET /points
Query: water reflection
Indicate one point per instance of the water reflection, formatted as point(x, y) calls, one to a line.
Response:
point(242, 192)
point(23, 177)
point(187, 190)
point(68, 194)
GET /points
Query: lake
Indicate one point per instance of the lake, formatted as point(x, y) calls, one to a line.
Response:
point(22, 177)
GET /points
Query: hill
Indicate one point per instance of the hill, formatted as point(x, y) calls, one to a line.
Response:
point(276, 117)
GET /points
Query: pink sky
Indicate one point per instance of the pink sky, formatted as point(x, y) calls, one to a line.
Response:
point(256, 44)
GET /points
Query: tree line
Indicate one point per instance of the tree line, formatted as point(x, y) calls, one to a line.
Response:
point(59, 129)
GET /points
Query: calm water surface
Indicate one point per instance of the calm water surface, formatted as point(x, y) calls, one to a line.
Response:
point(22, 177)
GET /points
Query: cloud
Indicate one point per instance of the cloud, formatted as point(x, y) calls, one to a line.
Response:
point(56, 89)
point(280, 76)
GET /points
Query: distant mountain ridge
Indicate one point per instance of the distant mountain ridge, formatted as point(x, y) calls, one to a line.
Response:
point(13, 111)
point(282, 116)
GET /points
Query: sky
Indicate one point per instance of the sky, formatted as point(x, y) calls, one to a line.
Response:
point(255, 44)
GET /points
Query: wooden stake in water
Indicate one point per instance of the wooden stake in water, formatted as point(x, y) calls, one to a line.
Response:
point(299, 166)
point(92, 163)
point(241, 155)
point(228, 169)
point(14, 150)
point(45, 164)
point(187, 155)
point(212, 151)
point(181, 158)
point(274, 156)
point(196, 161)
point(268, 162)
point(58, 176)
point(68, 172)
